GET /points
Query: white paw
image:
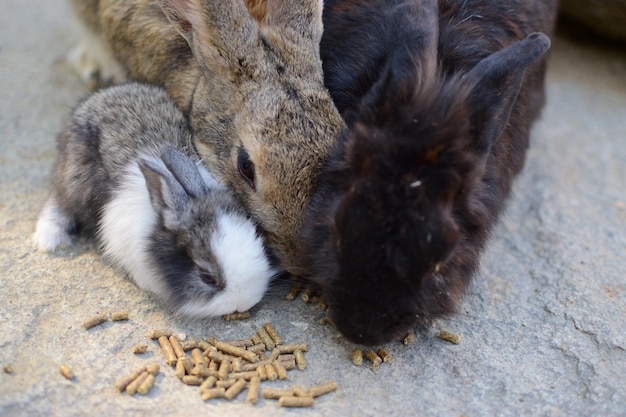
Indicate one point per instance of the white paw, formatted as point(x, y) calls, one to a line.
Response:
point(52, 228)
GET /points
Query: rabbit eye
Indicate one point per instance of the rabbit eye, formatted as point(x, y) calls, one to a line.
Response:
point(207, 278)
point(246, 167)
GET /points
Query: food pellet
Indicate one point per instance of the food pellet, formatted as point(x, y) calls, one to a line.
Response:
point(203, 345)
point(66, 371)
point(153, 368)
point(131, 388)
point(293, 401)
point(271, 372)
point(271, 331)
point(7, 369)
point(189, 344)
point(235, 389)
point(155, 334)
point(253, 390)
point(119, 315)
point(274, 394)
point(208, 383)
point(237, 316)
point(255, 339)
point(266, 339)
point(196, 355)
point(409, 338)
point(300, 361)
point(226, 383)
point(357, 357)
point(243, 375)
point(374, 358)
point(384, 355)
point(123, 383)
point(298, 391)
point(210, 394)
point(243, 343)
point(237, 351)
point(222, 372)
point(146, 385)
point(192, 380)
point(237, 364)
point(187, 363)
point(180, 371)
point(168, 351)
point(291, 347)
point(140, 348)
point(258, 348)
point(280, 369)
point(261, 371)
point(293, 293)
point(450, 337)
point(95, 320)
point(289, 364)
point(322, 389)
point(306, 296)
point(178, 348)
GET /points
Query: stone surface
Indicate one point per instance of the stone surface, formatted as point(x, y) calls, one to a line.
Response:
point(544, 325)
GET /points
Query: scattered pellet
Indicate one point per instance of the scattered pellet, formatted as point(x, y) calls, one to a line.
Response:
point(293, 293)
point(213, 365)
point(291, 347)
point(289, 364)
point(271, 331)
point(66, 371)
point(187, 363)
point(219, 356)
point(237, 351)
point(248, 375)
point(235, 389)
point(225, 383)
point(210, 394)
point(243, 343)
point(196, 355)
point(155, 334)
point(123, 383)
point(300, 361)
point(260, 370)
point(119, 315)
point(237, 364)
point(95, 320)
point(322, 389)
point(306, 296)
point(384, 355)
point(140, 348)
point(131, 388)
point(450, 337)
point(253, 390)
point(203, 345)
point(146, 385)
point(189, 344)
point(280, 369)
point(178, 348)
point(258, 348)
point(298, 391)
point(153, 368)
point(8, 368)
point(323, 321)
point(266, 339)
point(168, 351)
point(208, 383)
point(286, 357)
point(180, 371)
point(237, 315)
point(274, 394)
point(357, 357)
point(409, 338)
point(374, 358)
point(255, 339)
point(271, 372)
point(322, 306)
point(192, 380)
point(224, 369)
point(293, 401)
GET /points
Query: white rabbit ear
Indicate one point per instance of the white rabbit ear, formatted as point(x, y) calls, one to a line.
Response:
point(186, 172)
point(496, 81)
point(301, 16)
point(167, 195)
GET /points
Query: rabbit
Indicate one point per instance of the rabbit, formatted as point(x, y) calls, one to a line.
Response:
point(439, 98)
point(263, 122)
point(125, 173)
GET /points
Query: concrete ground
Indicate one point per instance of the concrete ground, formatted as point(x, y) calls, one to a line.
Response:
point(544, 325)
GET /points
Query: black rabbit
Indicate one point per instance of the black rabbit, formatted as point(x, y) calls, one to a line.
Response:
point(439, 98)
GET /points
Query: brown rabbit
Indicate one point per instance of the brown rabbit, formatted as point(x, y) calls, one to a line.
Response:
point(263, 121)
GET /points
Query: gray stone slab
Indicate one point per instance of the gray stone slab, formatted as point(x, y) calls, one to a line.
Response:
point(544, 325)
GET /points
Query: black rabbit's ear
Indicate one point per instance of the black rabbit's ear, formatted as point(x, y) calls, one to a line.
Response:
point(167, 195)
point(185, 171)
point(496, 82)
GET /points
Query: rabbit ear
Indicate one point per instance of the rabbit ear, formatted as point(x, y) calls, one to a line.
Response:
point(215, 30)
point(497, 80)
point(185, 171)
point(301, 16)
point(167, 195)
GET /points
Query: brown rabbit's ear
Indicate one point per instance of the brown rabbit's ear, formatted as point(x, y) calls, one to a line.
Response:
point(496, 82)
point(215, 30)
point(302, 16)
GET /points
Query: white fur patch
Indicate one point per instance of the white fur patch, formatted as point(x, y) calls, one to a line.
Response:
point(52, 227)
point(247, 271)
point(126, 224)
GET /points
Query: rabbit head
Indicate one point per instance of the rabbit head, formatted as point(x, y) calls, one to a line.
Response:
point(383, 224)
point(263, 121)
point(206, 254)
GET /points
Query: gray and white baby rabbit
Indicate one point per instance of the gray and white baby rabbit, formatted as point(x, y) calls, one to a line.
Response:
point(123, 172)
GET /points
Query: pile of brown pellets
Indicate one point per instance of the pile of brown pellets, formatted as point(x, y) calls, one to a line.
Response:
point(224, 369)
